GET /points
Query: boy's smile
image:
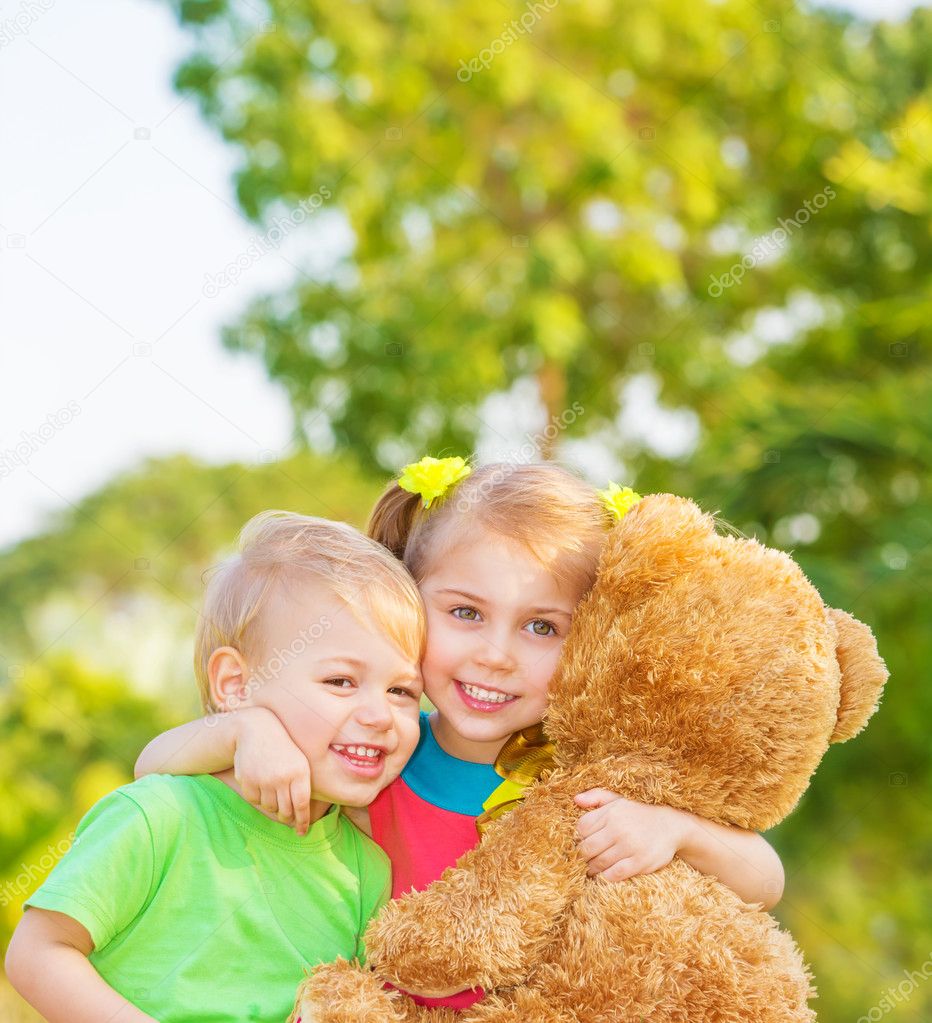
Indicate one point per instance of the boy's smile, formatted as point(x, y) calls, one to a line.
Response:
point(347, 696)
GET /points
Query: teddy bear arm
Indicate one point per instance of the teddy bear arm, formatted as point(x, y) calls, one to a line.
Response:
point(481, 923)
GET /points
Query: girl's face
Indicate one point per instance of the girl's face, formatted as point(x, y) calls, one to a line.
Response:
point(496, 620)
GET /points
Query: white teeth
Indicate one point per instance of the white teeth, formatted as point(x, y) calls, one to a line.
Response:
point(359, 751)
point(486, 695)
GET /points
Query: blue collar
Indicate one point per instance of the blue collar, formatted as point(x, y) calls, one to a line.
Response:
point(459, 786)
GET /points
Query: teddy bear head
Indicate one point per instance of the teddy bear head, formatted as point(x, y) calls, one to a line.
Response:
point(704, 671)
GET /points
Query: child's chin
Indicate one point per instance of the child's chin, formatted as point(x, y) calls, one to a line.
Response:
point(495, 726)
point(358, 795)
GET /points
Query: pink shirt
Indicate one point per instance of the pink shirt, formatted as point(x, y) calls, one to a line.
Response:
point(426, 819)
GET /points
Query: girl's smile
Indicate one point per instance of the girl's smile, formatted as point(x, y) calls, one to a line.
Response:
point(483, 698)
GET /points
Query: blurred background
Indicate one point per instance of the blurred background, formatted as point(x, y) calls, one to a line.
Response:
point(260, 253)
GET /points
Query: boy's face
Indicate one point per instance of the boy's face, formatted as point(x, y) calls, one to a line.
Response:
point(345, 693)
point(496, 621)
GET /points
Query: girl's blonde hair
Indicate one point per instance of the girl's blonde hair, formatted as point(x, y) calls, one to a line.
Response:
point(552, 512)
point(278, 549)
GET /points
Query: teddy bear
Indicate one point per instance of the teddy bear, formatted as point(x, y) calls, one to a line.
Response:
point(702, 671)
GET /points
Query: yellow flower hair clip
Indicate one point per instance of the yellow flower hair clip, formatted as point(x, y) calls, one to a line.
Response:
point(433, 477)
point(618, 500)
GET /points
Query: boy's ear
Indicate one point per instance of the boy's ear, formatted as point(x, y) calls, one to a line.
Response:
point(863, 674)
point(227, 677)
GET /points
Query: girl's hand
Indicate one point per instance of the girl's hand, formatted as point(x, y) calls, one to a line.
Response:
point(272, 773)
point(621, 838)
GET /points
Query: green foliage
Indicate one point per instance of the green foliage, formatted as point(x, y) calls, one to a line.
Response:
point(621, 191)
point(154, 531)
point(68, 735)
point(564, 206)
point(568, 214)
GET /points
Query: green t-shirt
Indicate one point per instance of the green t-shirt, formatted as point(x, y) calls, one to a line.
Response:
point(202, 910)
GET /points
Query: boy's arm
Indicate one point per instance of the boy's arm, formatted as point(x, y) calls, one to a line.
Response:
point(47, 964)
point(272, 773)
point(621, 838)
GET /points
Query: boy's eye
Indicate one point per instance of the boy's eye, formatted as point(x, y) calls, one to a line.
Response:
point(401, 691)
point(338, 683)
point(540, 627)
point(469, 614)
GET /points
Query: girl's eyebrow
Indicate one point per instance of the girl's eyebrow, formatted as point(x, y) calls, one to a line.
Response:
point(463, 593)
point(534, 610)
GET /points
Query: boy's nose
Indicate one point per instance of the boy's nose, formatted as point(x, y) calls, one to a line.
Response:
point(375, 712)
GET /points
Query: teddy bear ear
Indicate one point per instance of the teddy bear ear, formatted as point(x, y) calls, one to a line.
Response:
point(863, 674)
point(661, 537)
point(666, 529)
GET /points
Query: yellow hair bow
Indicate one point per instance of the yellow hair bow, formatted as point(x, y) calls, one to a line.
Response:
point(433, 477)
point(618, 500)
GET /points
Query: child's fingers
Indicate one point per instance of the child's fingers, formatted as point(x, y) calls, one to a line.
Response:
point(268, 801)
point(620, 870)
point(592, 798)
point(596, 846)
point(590, 823)
point(285, 809)
point(301, 801)
point(250, 790)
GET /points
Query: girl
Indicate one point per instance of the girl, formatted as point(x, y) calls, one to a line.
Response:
point(501, 555)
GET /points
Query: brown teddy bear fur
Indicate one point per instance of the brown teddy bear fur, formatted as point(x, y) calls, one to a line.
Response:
point(703, 672)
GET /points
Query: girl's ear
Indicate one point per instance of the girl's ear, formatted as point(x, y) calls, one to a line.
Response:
point(227, 677)
point(863, 674)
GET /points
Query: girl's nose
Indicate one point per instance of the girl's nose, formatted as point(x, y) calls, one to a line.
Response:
point(495, 653)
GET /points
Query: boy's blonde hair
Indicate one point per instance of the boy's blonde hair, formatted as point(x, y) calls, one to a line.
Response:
point(279, 548)
point(556, 515)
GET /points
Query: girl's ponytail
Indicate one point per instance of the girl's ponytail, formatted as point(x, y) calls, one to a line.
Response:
point(393, 518)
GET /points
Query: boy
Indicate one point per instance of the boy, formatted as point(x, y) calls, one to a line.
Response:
point(178, 900)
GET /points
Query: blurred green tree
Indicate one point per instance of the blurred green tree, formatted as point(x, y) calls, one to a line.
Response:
point(721, 209)
point(154, 530)
point(554, 192)
point(68, 735)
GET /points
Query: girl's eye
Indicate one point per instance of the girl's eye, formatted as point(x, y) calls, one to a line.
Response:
point(338, 683)
point(470, 614)
point(540, 627)
point(401, 691)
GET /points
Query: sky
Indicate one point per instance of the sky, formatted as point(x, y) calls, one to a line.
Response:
point(116, 204)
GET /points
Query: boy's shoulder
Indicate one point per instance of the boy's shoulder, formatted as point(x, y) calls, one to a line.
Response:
point(158, 794)
point(165, 801)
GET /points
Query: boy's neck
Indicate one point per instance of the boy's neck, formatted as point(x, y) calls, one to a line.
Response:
point(228, 777)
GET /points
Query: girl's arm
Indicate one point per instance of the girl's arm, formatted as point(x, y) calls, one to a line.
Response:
point(272, 773)
point(47, 964)
point(621, 838)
